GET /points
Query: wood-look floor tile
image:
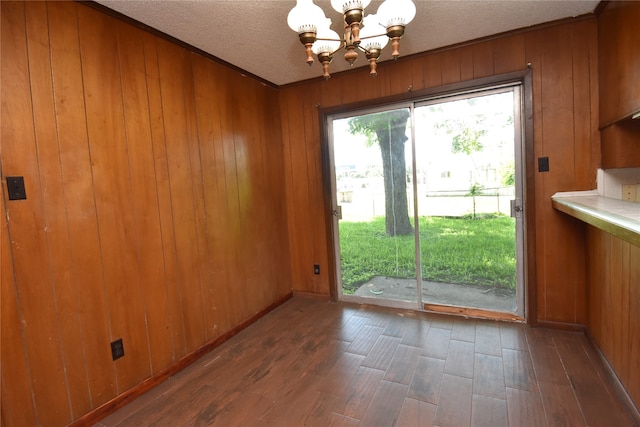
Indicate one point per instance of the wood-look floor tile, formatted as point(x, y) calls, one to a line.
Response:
point(454, 408)
point(361, 391)
point(338, 380)
point(488, 412)
point(425, 385)
point(488, 376)
point(416, 413)
point(560, 405)
point(386, 404)
point(382, 352)
point(518, 370)
point(464, 330)
point(436, 344)
point(403, 364)
point(397, 326)
point(324, 406)
point(312, 362)
point(417, 333)
point(512, 336)
point(546, 363)
point(460, 359)
point(598, 405)
point(525, 408)
point(365, 340)
point(488, 339)
point(350, 330)
point(293, 405)
point(337, 420)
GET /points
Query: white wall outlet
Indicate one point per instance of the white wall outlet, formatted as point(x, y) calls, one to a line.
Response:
point(629, 192)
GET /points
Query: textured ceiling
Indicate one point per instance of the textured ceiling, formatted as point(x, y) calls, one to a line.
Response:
point(253, 34)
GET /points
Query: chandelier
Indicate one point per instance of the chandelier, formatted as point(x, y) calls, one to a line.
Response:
point(369, 34)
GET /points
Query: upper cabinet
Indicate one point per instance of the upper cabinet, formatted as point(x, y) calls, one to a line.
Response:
point(619, 61)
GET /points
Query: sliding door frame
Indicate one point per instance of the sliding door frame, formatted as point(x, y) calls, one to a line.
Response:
point(519, 77)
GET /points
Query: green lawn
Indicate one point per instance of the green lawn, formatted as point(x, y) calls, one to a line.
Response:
point(453, 250)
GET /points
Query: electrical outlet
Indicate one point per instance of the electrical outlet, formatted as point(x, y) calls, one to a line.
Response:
point(117, 349)
point(629, 192)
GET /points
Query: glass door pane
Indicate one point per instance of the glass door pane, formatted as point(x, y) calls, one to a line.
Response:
point(373, 206)
point(466, 176)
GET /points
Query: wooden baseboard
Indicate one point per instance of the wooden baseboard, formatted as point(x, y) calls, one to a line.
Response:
point(311, 295)
point(572, 327)
point(617, 385)
point(121, 400)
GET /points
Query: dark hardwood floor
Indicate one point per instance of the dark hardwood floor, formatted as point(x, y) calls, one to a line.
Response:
point(316, 363)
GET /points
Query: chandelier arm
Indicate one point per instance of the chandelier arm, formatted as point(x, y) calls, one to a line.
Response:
point(375, 35)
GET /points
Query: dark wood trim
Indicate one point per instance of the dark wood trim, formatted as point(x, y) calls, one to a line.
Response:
point(121, 400)
point(531, 283)
point(468, 86)
point(572, 327)
point(601, 7)
point(92, 4)
point(303, 294)
point(615, 382)
point(325, 157)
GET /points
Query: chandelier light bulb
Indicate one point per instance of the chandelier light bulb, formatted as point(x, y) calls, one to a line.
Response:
point(327, 41)
point(342, 6)
point(372, 34)
point(305, 17)
point(396, 12)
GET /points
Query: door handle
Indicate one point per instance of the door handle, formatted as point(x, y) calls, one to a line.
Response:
point(337, 212)
point(516, 208)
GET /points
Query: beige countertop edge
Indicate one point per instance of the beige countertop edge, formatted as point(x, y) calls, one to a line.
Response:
point(597, 211)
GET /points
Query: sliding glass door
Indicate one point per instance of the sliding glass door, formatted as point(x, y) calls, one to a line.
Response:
point(433, 187)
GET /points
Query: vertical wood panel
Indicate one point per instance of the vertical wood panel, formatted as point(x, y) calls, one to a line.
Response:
point(173, 71)
point(483, 62)
point(614, 323)
point(112, 186)
point(509, 54)
point(209, 134)
point(33, 287)
point(163, 189)
point(57, 233)
point(144, 200)
point(17, 399)
point(79, 199)
point(238, 277)
point(632, 344)
point(432, 69)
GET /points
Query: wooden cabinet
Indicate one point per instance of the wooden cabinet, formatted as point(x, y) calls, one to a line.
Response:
point(614, 305)
point(619, 61)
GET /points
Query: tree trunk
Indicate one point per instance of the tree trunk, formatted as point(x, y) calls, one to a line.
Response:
point(391, 139)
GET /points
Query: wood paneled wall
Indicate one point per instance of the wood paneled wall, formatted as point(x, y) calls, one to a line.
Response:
point(155, 207)
point(564, 64)
point(618, 40)
point(619, 59)
point(614, 305)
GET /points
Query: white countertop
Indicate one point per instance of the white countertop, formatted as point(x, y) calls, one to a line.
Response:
point(618, 217)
